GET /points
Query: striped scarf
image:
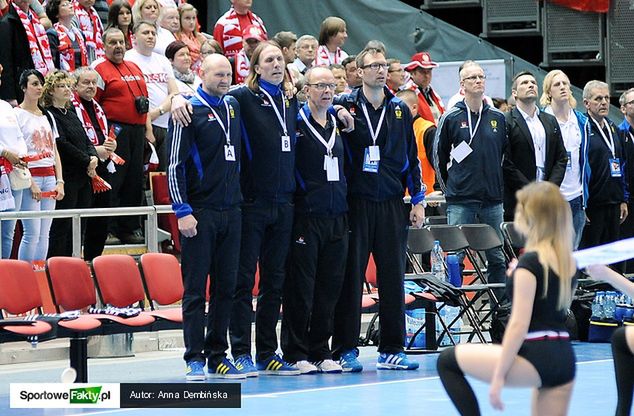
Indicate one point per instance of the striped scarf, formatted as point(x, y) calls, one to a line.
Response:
point(82, 113)
point(91, 27)
point(38, 41)
point(66, 50)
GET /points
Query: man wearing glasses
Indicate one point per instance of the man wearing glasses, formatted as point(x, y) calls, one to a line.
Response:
point(381, 159)
point(627, 132)
point(468, 152)
point(317, 256)
point(536, 150)
point(430, 105)
point(606, 208)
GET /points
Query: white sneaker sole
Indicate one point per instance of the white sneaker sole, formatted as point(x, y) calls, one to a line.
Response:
point(280, 373)
point(196, 378)
point(227, 376)
point(386, 366)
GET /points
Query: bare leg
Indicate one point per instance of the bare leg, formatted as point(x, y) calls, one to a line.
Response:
point(552, 401)
point(479, 361)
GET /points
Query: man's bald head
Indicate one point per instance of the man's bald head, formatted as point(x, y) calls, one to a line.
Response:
point(215, 73)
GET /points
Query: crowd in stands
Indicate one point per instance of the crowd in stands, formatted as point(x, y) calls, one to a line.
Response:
point(90, 89)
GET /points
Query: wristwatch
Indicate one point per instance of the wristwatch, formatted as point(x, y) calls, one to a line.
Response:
point(161, 111)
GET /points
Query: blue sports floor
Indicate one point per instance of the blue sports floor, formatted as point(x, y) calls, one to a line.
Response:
point(368, 393)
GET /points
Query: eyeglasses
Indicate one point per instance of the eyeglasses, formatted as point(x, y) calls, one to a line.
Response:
point(322, 86)
point(475, 77)
point(375, 66)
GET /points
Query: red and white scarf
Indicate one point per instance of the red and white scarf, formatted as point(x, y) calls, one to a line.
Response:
point(66, 50)
point(82, 113)
point(323, 58)
point(242, 66)
point(91, 27)
point(38, 41)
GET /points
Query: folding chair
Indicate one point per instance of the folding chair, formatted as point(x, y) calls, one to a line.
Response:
point(163, 282)
point(513, 241)
point(119, 284)
point(436, 220)
point(160, 193)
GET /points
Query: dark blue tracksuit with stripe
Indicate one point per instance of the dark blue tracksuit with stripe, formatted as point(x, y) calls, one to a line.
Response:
point(268, 184)
point(204, 184)
point(319, 245)
point(377, 217)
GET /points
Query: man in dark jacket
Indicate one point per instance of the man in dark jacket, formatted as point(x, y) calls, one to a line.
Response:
point(536, 149)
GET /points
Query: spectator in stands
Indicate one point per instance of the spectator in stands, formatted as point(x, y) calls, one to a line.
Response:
point(288, 41)
point(305, 50)
point(395, 76)
point(382, 161)
point(608, 192)
point(339, 72)
point(352, 75)
point(626, 100)
point(90, 24)
point(161, 84)
point(459, 96)
point(77, 154)
point(209, 219)
point(122, 93)
point(210, 46)
point(332, 36)
point(120, 16)
point(430, 106)
point(189, 34)
point(12, 150)
point(230, 27)
point(26, 46)
point(317, 258)
point(535, 149)
point(186, 80)
point(35, 5)
point(557, 100)
point(47, 181)
point(251, 38)
point(468, 152)
point(102, 8)
point(500, 104)
point(268, 183)
point(68, 47)
point(148, 10)
point(166, 31)
point(95, 124)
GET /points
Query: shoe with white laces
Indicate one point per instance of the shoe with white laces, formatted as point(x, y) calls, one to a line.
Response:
point(395, 362)
point(195, 371)
point(245, 365)
point(328, 367)
point(305, 367)
point(349, 362)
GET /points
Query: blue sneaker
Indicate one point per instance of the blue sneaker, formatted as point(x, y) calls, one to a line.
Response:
point(244, 364)
point(195, 371)
point(349, 362)
point(276, 366)
point(226, 369)
point(395, 362)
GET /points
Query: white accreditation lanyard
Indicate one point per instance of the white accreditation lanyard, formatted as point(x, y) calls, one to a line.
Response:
point(374, 152)
point(331, 163)
point(286, 140)
point(610, 142)
point(473, 129)
point(230, 154)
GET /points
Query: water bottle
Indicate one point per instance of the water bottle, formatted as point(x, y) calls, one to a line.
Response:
point(437, 262)
point(453, 270)
point(597, 305)
point(609, 305)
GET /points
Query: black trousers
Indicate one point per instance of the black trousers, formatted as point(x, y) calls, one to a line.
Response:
point(602, 226)
point(379, 228)
point(216, 243)
point(317, 262)
point(96, 228)
point(266, 233)
point(127, 181)
point(77, 194)
point(160, 134)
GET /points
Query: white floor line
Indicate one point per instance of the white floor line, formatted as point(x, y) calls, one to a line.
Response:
point(607, 360)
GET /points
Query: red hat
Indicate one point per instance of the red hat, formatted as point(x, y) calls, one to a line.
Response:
point(253, 32)
point(421, 60)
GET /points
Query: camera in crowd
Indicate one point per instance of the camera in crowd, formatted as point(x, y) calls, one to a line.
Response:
point(142, 104)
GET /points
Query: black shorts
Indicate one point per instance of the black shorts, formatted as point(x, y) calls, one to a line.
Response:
point(554, 360)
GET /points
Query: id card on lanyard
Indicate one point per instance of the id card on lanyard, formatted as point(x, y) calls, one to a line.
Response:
point(331, 163)
point(372, 154)
point(230, 153)
point(614, 162)
point(281, 118)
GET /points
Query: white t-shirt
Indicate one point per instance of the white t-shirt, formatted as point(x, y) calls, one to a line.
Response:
point(39, 136)
point(163, 38)
point(10, 134)
point(570, 187)
point(157, 70)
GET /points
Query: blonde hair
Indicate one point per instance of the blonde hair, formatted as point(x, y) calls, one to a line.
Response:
point(330, 27)
point(138, 5)
point(546, 99)
point(253, 79)
point(182, 9)
point(544, 217)
point(50, 82)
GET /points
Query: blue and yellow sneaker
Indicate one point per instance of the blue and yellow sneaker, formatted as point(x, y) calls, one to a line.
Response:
point(349, 362)
point(276, 366)
point(226, 369)
point(244, 364)
point(195, 371)
point(395, 362)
